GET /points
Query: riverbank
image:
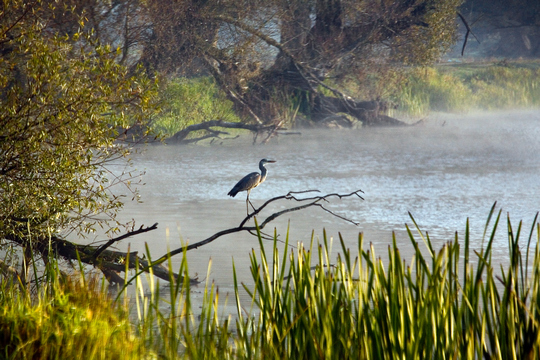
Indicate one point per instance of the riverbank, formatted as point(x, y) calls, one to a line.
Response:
point(454, 87)
point(466, 87)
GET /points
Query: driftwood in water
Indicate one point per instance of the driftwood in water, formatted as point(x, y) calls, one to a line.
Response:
point(336, 111)
point(327, 112)
point(110, 262)
point(211, 132)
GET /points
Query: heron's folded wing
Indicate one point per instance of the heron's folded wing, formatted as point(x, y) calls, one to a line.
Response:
point(246, 183)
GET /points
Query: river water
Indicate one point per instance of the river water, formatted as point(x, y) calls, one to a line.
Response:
point(450, 169)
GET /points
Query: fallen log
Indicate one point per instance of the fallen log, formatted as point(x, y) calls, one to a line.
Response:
point(208, 126)
point(109, 262)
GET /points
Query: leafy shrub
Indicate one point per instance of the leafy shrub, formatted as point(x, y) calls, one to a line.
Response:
point(187, 101)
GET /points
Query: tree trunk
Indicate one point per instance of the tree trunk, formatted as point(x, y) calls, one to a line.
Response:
point(306, 57)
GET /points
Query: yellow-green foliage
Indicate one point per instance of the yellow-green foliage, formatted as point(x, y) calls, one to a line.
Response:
point(60, 101)
point(499, 87)
point(71, 319)
point(463, 88)
point(421, 45)
point(189, 101)
point(428, 89)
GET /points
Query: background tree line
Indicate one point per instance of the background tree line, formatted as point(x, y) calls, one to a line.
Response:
point(269, 56)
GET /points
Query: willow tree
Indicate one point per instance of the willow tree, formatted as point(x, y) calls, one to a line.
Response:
point(274, 58)
point(277, 55)
point(62, 97)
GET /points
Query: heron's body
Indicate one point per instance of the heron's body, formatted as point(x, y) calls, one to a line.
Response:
point(251, 181)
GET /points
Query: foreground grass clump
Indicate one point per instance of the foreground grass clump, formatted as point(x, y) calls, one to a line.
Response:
point(68, 319)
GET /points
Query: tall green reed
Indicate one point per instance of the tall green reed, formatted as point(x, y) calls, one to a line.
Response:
point(307, 302)
point(450, 303)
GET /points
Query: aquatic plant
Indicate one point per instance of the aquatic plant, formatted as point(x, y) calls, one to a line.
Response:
point(448, 303)
point(453, 302)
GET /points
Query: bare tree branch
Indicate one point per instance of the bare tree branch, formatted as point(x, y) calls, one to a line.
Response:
point(469, 31)
point(292, 195)
point(141, 230)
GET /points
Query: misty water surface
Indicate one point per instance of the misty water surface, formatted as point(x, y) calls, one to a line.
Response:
point(451, 168)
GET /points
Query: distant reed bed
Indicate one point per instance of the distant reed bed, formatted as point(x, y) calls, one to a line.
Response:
point(468, 87)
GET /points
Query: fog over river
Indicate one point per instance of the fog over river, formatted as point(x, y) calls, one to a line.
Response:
point(449, 169)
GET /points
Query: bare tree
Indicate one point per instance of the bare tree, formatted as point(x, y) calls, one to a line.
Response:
point(272, 58)
point(504, 28)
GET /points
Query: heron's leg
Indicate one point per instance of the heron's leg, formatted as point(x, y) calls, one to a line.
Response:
point(252, 206)
point(247, 201)
point(250, 201)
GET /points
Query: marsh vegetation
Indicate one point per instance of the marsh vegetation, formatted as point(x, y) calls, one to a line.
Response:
point(443, 303)
point(414, 93)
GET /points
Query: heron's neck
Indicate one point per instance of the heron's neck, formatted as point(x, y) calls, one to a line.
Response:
point(263, 172)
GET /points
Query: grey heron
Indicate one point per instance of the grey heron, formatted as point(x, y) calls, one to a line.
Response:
point(251, 181)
